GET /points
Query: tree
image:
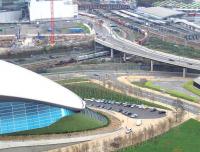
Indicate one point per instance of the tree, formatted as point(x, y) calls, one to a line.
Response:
point(179, 107)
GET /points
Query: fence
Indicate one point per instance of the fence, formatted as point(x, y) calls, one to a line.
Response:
point(95, 115)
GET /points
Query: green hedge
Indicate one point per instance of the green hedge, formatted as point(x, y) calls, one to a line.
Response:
point(92, 90)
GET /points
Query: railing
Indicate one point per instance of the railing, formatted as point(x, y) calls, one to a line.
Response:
point(95, 115)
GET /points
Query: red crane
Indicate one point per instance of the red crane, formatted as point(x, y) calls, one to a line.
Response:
point(52, 37)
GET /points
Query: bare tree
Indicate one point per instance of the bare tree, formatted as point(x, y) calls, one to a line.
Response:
point(179, 107)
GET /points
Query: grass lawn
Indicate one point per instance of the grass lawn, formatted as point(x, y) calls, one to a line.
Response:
point(85, 28)
point(74, 123)
point(167, 47)
point(184, 138)
point(92, 90)
point(174, 93)
point(149, 84)
point(189, 86)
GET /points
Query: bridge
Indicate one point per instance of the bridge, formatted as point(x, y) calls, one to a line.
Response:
point(111, 40)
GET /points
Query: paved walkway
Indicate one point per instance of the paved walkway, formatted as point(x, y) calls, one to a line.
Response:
point(128, 79)
point(12, 144)
point(174, 85)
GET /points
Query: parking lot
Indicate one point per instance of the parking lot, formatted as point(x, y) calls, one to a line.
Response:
point(128, 109)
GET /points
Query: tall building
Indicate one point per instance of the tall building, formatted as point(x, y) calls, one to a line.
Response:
point(30, 101)
point(41, 10)
point(11, 3)
point(11, 11)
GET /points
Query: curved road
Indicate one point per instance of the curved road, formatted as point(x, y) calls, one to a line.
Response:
point(113, 75)
point(8, 146)
point(109, 39)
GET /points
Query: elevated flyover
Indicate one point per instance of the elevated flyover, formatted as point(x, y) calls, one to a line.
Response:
point(108, 38)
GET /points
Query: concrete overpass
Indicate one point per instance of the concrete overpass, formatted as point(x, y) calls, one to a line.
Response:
point(113, 41)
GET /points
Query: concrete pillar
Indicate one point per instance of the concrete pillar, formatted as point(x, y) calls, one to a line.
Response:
point(95, 47)
point(184, 72)
point(124, 57)
point(111, 53)
point(152, 63)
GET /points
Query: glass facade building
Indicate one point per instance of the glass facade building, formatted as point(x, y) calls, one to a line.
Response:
point(29, 100)
point(19, 115)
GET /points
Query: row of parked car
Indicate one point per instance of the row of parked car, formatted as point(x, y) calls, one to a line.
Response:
point(123, 107)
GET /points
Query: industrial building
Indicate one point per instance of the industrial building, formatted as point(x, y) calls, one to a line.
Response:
point(10, 16)
point(34, 10)
point(29, 101)
point(41, 10)
point(159, 13)
point(184, 5)
point(11, 11)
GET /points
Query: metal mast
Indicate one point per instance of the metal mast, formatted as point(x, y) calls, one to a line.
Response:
point(52, 37)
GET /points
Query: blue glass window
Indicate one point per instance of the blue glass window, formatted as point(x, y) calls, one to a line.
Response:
point(20, 116)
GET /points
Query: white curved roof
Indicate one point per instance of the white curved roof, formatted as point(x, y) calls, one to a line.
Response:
point(18, 82)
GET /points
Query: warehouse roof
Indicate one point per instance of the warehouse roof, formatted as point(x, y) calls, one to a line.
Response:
point(21, 83)
point(159, 12)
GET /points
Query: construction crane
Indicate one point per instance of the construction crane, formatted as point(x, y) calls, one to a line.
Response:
point(52, 37)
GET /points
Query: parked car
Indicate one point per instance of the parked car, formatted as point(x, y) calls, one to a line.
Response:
point(109, 108)
point(133, 105)
point(153, 110)
point(162, 112)
point(120, 110)
point(134, 116)
point(129, 113)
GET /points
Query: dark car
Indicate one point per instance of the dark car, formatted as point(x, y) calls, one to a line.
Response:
point(129, 113)
point(126, 112)
point(109, 108)
point(102, 106)
point(120, 110)
point(171, 60)
point(153, 110)
point(162, 112)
